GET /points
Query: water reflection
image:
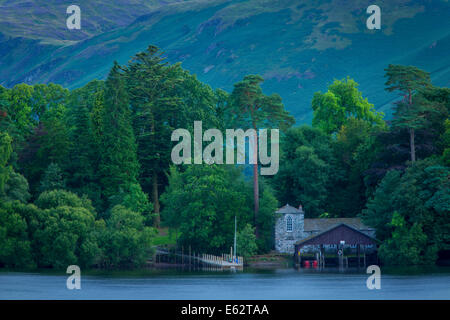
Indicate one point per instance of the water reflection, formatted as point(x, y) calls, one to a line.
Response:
point(287, 283)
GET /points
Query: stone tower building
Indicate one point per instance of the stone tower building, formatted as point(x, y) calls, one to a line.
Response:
point(289, 228)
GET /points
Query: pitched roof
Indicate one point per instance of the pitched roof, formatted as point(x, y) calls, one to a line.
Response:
point(311, 238)
point(289, 209)
point(320, 225)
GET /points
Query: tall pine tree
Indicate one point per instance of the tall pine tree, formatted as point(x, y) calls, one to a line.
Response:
point(118, 168)
point(83, 153)
point(409, 112)
point(252, 109)
point(156, 110)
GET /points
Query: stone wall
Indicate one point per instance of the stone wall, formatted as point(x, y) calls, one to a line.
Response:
point(284, 240)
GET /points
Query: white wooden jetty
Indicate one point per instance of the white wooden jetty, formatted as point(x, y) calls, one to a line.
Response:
point(210, 261)
point(225, 261)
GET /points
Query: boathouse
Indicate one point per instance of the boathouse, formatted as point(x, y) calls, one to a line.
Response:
point(295, 234)
point(340, 241)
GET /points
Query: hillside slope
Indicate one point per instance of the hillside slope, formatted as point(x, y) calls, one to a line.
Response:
point(299, 47)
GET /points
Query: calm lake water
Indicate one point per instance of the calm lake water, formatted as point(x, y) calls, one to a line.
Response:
point(275, 284)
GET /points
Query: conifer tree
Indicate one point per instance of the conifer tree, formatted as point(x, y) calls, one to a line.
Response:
point(5, 152)
point(156, 112)
point(53, 179)
point(82, 153)
point(118, 166)
point(252, 109)
point(409, 112)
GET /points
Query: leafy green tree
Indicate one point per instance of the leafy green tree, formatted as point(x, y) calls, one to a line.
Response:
point(266, 220)
point(328, 114)
point(66, 236)
point(446, 143)
point(87, 95)
point(246, 242)
point(387, 150)
point(4, 106)
point(175, 196)
point(436, 194)
point(118, 165)
point(221, 107)
point(341, 102)
point(202, 203)
point(250, 108)
point(5, 153)
point(48, 143)
point(136, 200)
point(421, 196)
point(434, 138)
point(20, 107)
point(64, 230)
point(407, 246)
point(53, 179)
point(381, 207)
point(355, 149)
point(126, 241)
point(14, 241)
point(61, 198)
point(47, 97)
point(305, 161)
point(8, 123)
point(31, 215)
point(17, 188)
point(408, 114)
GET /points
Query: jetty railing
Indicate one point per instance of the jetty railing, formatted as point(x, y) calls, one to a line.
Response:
point(225, 261)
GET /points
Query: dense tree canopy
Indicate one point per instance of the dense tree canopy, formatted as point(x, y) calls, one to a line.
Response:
point(163, 98)
point(82, 172)
point(412, 207)
point(126, 241)
point(202, 203)
point(305, 169)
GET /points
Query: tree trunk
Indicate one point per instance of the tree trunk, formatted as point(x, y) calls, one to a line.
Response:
point(411, 133)
point(157, 220)
point(255, 182)
point(155, 194)
point(412, 144)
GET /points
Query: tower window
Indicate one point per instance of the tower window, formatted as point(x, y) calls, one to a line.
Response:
point(289, 224)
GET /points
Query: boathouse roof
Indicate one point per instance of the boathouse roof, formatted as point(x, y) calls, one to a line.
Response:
point(336, 234)
point(322, 224)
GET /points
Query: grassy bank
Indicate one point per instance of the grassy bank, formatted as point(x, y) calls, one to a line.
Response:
point(270, 260)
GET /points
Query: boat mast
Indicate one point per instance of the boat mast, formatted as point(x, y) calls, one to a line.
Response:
point(234, 238)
